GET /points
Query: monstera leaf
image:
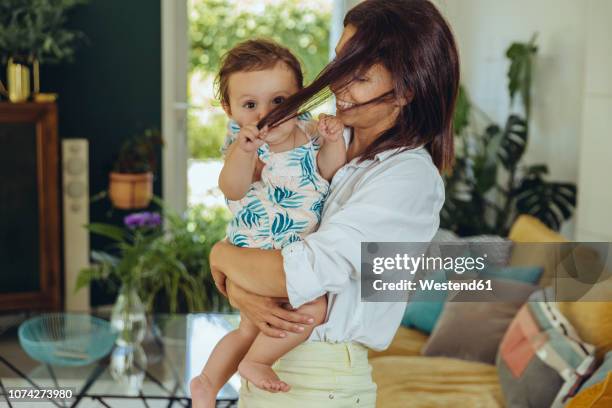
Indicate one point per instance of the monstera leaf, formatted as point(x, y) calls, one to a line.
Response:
point(551, 202)
point(513, 142)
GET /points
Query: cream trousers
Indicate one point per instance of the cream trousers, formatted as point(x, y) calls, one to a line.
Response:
point(321, 374)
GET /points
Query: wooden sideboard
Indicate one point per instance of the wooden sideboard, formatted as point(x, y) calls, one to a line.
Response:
point(30, 235)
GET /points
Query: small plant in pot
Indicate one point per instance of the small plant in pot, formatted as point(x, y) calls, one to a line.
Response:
point(35, 32)
point(125, 266)
point(131, 181)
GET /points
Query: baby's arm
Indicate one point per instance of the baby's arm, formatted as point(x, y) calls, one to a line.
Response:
point(240, 162)
point(332, 154)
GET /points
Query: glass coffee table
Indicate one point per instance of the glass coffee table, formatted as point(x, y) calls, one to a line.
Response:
point(177, 348)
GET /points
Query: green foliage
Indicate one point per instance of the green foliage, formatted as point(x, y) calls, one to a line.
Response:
point(215, 27)
point(36, 29)
point(168, 267)
point(462, 111)
point(205, 141)
point(519, 74)
point(489, 186)
point(177, 264)
point(138, 153)
point(126, 268)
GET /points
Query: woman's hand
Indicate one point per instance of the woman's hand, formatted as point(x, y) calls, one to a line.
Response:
point(268, 314)
point(220, 280)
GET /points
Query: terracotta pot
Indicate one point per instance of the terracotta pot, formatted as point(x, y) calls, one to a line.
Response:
point(130, 191)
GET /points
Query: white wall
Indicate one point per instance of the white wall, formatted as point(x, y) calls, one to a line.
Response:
point(595, 170)
point(485, 28)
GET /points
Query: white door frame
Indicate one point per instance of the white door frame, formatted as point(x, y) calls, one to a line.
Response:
point(175, 54)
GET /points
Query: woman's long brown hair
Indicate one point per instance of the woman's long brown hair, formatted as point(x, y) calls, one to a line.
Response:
point(411, 39)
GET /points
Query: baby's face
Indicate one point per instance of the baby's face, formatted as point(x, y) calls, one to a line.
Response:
point(253, 94)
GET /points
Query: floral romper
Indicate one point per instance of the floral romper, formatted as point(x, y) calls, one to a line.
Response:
point(285, 205)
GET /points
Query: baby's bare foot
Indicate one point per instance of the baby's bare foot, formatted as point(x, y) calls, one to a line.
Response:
point(262, 376)
point(203, 394)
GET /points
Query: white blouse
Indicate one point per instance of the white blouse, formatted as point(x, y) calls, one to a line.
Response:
point(396, 197)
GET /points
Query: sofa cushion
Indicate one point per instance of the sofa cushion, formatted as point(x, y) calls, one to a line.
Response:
point(528, 228)
point(473, 330)
point(426, 382)
point(592, 320)
point(527, 274)
point(541, 360)
point(423, 315)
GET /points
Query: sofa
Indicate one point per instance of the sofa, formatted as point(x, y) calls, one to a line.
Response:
point(406, 378)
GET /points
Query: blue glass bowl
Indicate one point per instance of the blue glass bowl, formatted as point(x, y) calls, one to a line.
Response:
point(66, 339)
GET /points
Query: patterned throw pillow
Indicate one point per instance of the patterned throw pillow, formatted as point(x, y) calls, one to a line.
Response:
point(541, 360)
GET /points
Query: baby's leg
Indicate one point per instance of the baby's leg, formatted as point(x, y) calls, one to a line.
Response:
point(257, 364)
point(222, 363)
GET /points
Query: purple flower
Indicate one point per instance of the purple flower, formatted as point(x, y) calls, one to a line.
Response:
point(142, 219)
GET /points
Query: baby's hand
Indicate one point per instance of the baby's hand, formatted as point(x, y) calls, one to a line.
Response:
point(330, 127)
point(250, 138)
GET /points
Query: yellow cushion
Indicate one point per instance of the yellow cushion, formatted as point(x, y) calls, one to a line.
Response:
point(407, 342)
point(435, 382)
point(596, 396)
point(527, 228)
point(592, 321)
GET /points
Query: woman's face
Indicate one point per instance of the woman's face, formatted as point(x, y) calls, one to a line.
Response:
point(373, 83)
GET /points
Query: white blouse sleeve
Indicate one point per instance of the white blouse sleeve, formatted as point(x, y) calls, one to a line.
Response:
point(399, 203)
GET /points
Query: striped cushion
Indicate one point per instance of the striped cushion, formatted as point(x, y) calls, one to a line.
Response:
point(541, 356)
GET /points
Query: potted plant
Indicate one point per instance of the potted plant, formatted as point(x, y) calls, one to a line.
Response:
point(166, 269)
point(131, 181)
point(128, 317)
point(158, 269)
point(34, 32)
point(490, 185)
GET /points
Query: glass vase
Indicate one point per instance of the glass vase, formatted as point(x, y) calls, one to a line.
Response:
point(128, 359)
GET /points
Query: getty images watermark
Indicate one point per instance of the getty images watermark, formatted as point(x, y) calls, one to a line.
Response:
point(480, 271)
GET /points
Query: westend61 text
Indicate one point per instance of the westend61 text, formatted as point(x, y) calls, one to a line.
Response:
point(429, 284)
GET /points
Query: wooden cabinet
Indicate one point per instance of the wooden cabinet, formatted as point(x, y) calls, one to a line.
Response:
point(30, 236)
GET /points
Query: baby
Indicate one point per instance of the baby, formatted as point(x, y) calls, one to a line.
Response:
point(275, 182)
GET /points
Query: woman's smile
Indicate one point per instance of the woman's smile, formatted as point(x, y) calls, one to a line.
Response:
point(343, 105)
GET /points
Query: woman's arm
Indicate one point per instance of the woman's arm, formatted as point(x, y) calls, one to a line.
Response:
point(267, 313)
point(396, 205)
point(257, 270)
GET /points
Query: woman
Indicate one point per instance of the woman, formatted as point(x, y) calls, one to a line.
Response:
point(395, 80)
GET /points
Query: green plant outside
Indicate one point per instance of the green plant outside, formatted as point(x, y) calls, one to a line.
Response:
point(205, 141)
point(215, 27)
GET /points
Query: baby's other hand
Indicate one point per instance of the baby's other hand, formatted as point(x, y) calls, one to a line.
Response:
point(250, 138)
point(330, 127)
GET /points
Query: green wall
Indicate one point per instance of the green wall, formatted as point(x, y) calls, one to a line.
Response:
point(110, 91)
